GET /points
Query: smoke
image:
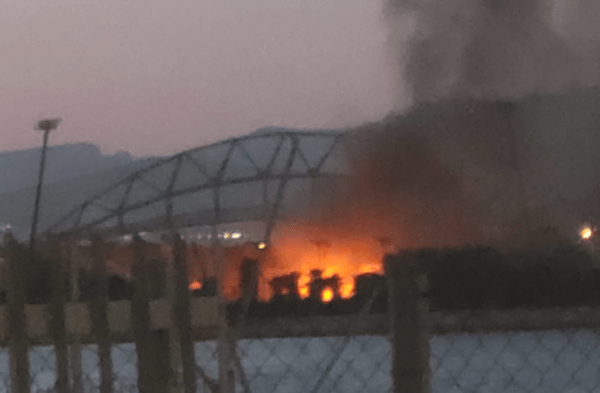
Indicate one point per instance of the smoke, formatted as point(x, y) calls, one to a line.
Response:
point(401, 191)
point(495, 49)
point(466, 163)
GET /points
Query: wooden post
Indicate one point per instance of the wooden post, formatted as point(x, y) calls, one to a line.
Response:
point(410, 345)
point(99, 305)
point(181, 308)
point(75, 264)
point(56, 316)
point(225, 344)
point(152, 347)
point(17, 257)
point(249, 276)
point(176, 383)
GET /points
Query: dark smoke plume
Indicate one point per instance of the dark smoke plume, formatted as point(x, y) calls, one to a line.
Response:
point(495, 49)
point(501, 132)
point(470, 156)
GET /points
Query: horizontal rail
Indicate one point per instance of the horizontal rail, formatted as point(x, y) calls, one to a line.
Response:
point(203, 311)
point(205, 322)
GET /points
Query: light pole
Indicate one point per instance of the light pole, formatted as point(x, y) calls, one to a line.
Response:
point(45, 125)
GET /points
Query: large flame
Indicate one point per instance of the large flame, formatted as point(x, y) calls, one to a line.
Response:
point(303, 248)
point(307, 251)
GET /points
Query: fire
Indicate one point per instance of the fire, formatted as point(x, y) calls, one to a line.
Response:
point(327, 295)
point(303, 286)
point(304, 291)
point(586, 232)
point(307, 261)
point(195, 285)
point(326, 260)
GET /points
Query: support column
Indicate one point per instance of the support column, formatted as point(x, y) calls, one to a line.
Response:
point(56, 317)
point(16, 258)
point(99, 306)
point(152, 346)
point(410, 344)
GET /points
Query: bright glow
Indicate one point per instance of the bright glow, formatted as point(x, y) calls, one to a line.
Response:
point(327, 295)
point(195, 285)
point(347, 290)
point(236, 235)
point(226, 235)
point(262, 246)
point(341, 259)
point(586, 233)
point(304, 286)
point(304, 292)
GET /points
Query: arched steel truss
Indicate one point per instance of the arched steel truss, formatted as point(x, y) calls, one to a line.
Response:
point(241, 179)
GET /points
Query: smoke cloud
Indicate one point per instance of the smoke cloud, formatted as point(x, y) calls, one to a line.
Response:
point(469, 157)
point(477, 158)
point(496, 49)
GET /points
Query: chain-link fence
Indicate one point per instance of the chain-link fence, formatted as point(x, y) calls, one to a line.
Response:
point(412, 328)
point(539, 361)
point(312, 364)
point(566, 360)
point(4, 373)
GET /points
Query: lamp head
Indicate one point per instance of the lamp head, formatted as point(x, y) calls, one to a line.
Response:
point(48, 124)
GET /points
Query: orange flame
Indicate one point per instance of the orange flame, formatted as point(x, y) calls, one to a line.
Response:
point(327, 295)
point(305, 247)
point(339, 256)
point(195, 285)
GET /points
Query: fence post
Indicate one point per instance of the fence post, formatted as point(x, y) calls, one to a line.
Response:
point(99, 306)
point(17, 258)
point(73, 254)
point(56, 316)
point(151, 346)
point(181, 309)
point(226, 346)
point(410, 345)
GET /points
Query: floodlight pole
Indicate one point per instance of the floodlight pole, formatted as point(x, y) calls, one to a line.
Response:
point(46, 126)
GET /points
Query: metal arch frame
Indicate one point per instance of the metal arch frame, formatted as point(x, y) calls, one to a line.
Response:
point(214, 182)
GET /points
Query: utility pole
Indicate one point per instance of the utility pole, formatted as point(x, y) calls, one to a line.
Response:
point(45, 125)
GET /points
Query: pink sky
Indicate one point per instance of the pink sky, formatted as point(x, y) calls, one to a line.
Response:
point(157, 77)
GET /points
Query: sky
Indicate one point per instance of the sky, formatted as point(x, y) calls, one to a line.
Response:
point(156, 77)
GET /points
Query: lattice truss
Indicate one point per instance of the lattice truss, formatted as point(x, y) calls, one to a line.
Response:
point(256, 177)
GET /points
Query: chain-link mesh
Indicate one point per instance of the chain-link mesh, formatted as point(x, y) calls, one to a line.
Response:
point(125, 368)
point(559, 360)
point(207, 365)
point(42, 369)
point(317, 364)
point(4, 370)
point(90, 371)
point(307, 364)
point(42, 363)
point(539, 361)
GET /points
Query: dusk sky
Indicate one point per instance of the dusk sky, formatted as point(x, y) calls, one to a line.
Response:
point(157, 77)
